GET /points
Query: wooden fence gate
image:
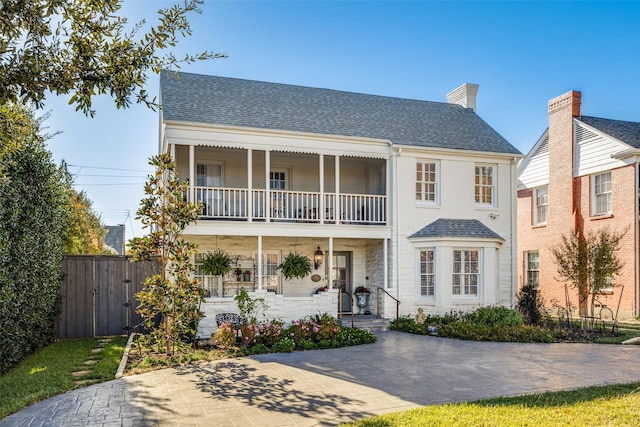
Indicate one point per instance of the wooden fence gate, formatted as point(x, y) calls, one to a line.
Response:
point(96, 291)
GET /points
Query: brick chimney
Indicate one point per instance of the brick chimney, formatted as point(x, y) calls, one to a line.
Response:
point(562, 110)
point(464, 95)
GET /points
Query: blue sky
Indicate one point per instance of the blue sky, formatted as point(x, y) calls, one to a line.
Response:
point(520, 53)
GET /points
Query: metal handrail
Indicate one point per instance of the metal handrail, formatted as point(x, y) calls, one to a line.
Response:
point(378, 289)
point(340, 305)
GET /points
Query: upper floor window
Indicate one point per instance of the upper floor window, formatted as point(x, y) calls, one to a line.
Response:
point(426, 181)
point(601, 194)
point(541, 204)
point(532, 260)
point(466, 272)
point(485, 185)
point(427, 273)
point(208, 175)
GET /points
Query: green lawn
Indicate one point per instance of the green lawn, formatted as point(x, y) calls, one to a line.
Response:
point(49, 371)
point(614, 405)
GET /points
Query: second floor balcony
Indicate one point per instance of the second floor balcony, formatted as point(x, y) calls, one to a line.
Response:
point(290, 206)
point(271, 186)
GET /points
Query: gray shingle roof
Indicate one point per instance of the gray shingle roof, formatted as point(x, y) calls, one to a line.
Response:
point(246, 103)
point(627, 132)
point(467, 228)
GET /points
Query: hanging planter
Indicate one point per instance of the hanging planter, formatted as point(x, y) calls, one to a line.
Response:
point(295, 265)
point(216, 263)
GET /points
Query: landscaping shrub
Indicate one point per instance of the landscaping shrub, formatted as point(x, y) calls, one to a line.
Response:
point(353, 336)
point(270, 332)
point(225, 335)
point(285, 345)
point(495, 316)
point(529, 303)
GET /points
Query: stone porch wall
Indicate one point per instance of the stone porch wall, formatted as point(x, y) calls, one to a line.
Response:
point(280, 307)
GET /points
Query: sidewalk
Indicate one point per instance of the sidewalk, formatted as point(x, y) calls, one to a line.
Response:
point(324, 388)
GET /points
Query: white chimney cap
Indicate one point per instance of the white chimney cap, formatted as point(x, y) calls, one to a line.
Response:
point(464, 95)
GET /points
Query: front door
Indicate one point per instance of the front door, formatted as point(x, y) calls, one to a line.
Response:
point(341, 276)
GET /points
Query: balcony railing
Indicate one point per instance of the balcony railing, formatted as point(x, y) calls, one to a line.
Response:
point(291, 206)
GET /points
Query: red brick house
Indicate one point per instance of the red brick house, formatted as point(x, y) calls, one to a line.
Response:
point(582, 173)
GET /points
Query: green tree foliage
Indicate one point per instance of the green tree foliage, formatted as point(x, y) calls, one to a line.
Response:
point(85, 232)
point(171, 295)
point(32, 223)
point(83, 48)
point(589, 263)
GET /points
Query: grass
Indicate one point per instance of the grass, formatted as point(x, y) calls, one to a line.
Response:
point(613, 405)
point(49, 371)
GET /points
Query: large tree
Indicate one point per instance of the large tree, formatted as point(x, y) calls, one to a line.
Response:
point(85, 232)
point(83, 48)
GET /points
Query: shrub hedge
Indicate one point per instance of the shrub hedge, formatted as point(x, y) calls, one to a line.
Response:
point(32, 224)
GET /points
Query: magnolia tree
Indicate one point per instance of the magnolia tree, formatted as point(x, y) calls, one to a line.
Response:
point(170, 300)
point(589, 263)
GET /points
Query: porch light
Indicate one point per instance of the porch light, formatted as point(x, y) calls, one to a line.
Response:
point(318, 256)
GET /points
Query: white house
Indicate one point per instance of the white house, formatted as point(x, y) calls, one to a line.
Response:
point(414, 200)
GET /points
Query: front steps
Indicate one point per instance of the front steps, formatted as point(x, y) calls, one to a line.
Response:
point(367, 322)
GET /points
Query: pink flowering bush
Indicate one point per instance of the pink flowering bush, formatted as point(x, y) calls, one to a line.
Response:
point(225, 335)
point(249, 332)
point(270, 332)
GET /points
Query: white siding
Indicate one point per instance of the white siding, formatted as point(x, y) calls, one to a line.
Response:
point(536, 173)
point(594, 155)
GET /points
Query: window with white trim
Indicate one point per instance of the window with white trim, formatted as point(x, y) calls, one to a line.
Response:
point(427, 273)
point(532, 267)
point(270, 276)
point(485, 185)
point(208, 175)
point(466, 272)
point(426, 181)
point(541, 204)
point(601, 194)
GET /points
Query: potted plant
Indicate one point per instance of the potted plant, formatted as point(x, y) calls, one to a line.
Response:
point(295, 265)
point(216, 263)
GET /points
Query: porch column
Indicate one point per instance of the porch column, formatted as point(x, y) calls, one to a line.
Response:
point(321, 212)
point(267, 174)
point(172, 151)
point(330, 264)
point(249, 197)
point(385, 263)
point(336, 202)
point(192, 173)
point(259, 262)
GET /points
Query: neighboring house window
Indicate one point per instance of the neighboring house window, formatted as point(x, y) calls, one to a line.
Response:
point(541, 205)
point(601, 194)
point(485, 185)
point(426, 181)
point(533, 268)
point(427, 273)
point(466, 272)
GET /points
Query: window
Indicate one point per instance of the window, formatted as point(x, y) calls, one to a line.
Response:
point(270, 276)
point(532, 266)
point(466, 274)
point(601, 194)
point(208, 175)
point(426, 181)
point(277, 180)
point(427, 273)
point(541, 203)
point(485, 185)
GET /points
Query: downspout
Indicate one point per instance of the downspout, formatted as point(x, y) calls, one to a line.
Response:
point(635, 236)
point(514, 229)
point(397, 151)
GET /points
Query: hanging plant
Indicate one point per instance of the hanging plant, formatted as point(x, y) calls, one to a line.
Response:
point(295, 265)
point(216, 263)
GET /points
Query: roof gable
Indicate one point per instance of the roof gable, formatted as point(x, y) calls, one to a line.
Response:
point(465, 228)
point(244, 103)
point(623, 131)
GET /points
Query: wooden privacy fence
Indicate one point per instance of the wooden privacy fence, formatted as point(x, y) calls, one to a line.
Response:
point(96, 291)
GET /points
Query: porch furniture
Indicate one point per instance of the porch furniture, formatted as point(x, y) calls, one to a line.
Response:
point(607, 318)
point(232, 318)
